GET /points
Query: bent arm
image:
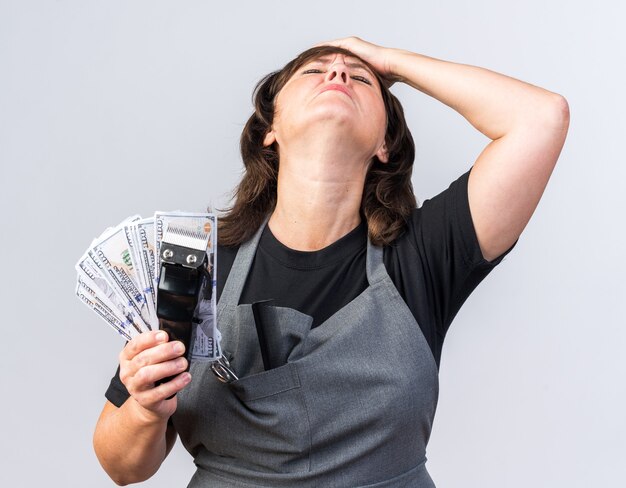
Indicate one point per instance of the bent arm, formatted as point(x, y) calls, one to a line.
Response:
point(132, 441)
point(129, 444)
point(527, 125)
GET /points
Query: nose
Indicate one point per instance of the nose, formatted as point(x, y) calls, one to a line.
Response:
point(337, 71)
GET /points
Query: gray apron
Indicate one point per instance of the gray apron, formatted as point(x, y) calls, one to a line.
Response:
point(351, 404)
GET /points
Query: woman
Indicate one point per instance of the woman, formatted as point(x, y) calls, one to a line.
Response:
point(363, 285)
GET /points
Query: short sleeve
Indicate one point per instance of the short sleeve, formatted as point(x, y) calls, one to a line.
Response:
point(117, 393)
point(443, 233)
point(462, 217)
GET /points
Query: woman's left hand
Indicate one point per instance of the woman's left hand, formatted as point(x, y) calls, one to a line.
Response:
point(379, 57)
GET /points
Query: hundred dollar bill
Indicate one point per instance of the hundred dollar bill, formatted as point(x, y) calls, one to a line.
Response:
point(110, 318)
point(144, 235)
point(143, 266)
point(118, 277)
point(114, 260)
point(90, 273)
point(205, 348)
point(205, 335)
point(105, 307)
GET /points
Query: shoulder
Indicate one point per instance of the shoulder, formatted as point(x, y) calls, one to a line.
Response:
point(437, 214)
point(442, 228)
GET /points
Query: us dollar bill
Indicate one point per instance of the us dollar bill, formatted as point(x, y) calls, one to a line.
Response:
point(140, 235)
point(205, 335)
point(89, 288)
point(114, 260)
point(103, 312)
point(89, 272)
point(118, 277)
point(145, 233)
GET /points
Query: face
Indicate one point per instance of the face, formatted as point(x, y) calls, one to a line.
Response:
point(332, 92)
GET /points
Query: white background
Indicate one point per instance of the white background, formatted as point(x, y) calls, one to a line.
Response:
point(113, 108)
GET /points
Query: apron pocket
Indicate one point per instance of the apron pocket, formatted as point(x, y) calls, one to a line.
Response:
point(284, 333)
point(266, 383)
point(268, 422)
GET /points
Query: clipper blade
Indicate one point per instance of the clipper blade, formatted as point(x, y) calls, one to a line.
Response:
point(186, 237)
point(184, 246)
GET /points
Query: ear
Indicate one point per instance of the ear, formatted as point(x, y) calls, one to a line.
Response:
point(382, 154)
point(270, 138)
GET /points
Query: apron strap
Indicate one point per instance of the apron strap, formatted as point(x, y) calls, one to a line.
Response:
point(239, 271)
point(375, 267)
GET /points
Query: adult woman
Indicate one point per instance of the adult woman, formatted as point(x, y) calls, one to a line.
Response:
point(358, 321)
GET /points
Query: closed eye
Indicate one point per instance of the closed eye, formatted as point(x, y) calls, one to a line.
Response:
point(364, 80)
point(358, 78)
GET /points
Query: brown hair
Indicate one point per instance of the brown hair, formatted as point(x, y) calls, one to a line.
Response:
point(387, 195)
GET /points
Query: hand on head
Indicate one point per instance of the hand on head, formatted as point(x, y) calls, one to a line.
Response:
point(379, 57)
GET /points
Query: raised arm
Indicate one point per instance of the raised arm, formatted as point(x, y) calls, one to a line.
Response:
point(527, 125)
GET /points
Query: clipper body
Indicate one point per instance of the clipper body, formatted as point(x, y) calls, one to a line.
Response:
point(180, 282)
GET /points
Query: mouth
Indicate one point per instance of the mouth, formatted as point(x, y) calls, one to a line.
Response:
point(340, 88)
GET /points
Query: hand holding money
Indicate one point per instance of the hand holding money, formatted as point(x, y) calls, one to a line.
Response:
point(144, 361)
point(118, 276)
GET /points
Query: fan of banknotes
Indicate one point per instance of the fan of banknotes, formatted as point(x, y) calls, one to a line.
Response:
point(118, 276)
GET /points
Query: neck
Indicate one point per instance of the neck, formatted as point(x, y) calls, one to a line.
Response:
point(319, 198)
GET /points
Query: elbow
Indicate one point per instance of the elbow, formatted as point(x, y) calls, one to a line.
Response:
point(558, 113)
point(123, 480)
point(114, 470)
point(120, 481)
point(120, 475)
point(119, 478)
point(548, 117)
point(549, 122)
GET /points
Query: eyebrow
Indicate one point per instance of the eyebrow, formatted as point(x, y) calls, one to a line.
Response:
point(325, 60)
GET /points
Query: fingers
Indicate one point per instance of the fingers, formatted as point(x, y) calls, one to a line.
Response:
point(141, 370)
point(156, 399)
point(334, 42)
point(157, 354)
point(142, 342)
point(147, 376)
point(375, 55)
point(343, 40)
point(148, 358)
point(160, 402)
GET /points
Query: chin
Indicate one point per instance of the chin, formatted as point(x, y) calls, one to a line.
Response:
point(337, 121)
point(341, 119)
